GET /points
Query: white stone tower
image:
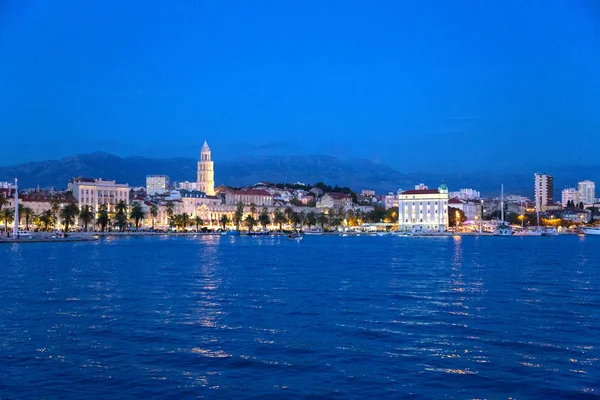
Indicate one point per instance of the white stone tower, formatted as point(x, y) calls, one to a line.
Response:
point(206, 172)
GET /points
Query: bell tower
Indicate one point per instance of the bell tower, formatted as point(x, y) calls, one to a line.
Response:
point(206, 172)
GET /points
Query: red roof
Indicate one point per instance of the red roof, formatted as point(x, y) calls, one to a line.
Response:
point(338, 196)
point(428, 191)
point(455, 201)
point(252, 192)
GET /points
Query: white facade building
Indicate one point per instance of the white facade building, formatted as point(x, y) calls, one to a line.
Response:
point(97, 192)
point(569, 194)
point(543, 191)
point(587, 192)
point(187, 185)
point(465, 194)
point(157, 184)
point(423, 209)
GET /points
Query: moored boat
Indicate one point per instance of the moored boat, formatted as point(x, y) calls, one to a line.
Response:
point(591, 231)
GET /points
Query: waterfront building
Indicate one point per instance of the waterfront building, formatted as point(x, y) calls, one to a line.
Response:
point(96, 192)
point(465, 194)
point(569, 194)
point(472, 210)
point(206, 171)
point(423, 209)
point(583, 217)
point(586, 191)
point(543, 191)
point(41, 201)
point(260, 197)
point(335, 200)
point(157, 184)
point(391, 200)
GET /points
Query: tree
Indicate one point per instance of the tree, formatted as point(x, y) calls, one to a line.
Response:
point(391, 215)
point(28, 214)
point(153, 213)
point(7, 215)
point(55, 207)
point(288, 212)
point(170, 209)
point(322, 220)
point(252, 209)
point(456, 216)
point(137, 214)
point(250, 222)
point(264, 219)
point(279, 218)
point(121, 221)
point(224, 221)
point(86, 216)
point(295, 202)
point(239, 215)
point(581, 206)
point(47, 219)
point(103, 219)
point(311, 219)
point(68, 214)
point(184, 220)
point(377, 214)
point(198, 222)
point(3, 201)
point(121, 207)
point(296, 219)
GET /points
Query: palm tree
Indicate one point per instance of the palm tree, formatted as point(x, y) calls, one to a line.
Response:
point(250, 222)
point(252, 209)
point(121, 221)
point(224, 221)
point(198, 222)
point(28, 214)
point(3, 201)
point(47, 219)
point(21, 208)
point(289, 212)
point(239, 215)
point(170, 208)
point(296, 219)
point(153, 213)
point(86, 216)
point(185, 220)
point(137, 214)
point(264, 219)
point(103, 219)
point(323, 219)
point(121, 207)
point(7, 215)
point(279, 218)
point(68, 215)
point(55, 206)
point(311, 219)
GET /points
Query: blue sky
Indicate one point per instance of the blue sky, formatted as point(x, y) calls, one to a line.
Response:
point(417, 85)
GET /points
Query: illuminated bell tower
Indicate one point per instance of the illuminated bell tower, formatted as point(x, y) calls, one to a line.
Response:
point(206, 172)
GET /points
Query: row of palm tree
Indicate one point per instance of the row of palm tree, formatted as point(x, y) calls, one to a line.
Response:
point(183, 221)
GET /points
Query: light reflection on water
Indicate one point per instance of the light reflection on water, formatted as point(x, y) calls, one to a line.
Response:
point(240, 316)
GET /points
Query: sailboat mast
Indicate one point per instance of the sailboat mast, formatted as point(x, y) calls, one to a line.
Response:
point(502, 201)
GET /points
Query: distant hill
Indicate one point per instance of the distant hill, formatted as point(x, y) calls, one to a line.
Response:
point(356, 173)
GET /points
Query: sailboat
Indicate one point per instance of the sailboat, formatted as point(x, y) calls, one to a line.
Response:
point(503, 229)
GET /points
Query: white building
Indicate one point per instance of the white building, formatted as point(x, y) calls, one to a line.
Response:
point(97, 192)
point(465, 194)
point(543, 191)
point(421, 186)
point(157, 184)
point(187, 185)
point(569, 194)
point(423, 209)
point(472, 210)
point(587, 192)
point(206, 171)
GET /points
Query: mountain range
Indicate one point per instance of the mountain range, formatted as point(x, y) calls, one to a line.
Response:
point(358, 174)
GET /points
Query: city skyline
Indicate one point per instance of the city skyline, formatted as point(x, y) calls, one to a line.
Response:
point(469, 85)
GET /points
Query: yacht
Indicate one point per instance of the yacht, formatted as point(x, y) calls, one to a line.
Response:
point(550, 232)
point(529, 232)
point(503, 229)
point(591, 231)
point(314, 231)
